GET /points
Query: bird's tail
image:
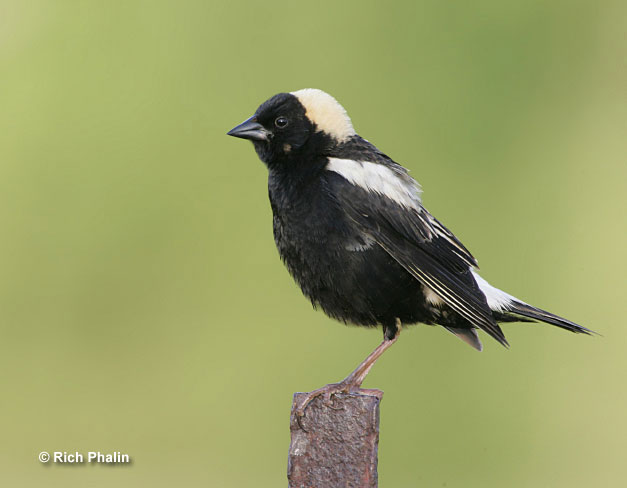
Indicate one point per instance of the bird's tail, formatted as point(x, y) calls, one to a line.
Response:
point(523, 309)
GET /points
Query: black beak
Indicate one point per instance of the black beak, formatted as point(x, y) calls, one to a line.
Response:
point(250, 129)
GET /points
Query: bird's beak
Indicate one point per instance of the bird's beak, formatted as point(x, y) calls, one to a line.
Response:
point(250, 129)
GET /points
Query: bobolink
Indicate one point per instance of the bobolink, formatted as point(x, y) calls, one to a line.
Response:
point(350, 226)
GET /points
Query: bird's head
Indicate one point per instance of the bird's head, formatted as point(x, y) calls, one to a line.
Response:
point(287, 123)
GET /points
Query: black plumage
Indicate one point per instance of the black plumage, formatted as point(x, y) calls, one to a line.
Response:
point(350, 226)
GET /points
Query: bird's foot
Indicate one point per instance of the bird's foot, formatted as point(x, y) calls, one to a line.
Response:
point(352, 383)
point(327, 392)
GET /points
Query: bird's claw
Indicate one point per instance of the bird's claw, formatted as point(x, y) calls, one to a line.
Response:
point(326, 392)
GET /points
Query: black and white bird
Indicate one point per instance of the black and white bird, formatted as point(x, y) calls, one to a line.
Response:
point(351, 228)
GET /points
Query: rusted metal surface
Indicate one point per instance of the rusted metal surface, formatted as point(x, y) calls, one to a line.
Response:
point(335, 445)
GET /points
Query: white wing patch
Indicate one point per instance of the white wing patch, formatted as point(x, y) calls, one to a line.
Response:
point(498, 300)
point(326, 112)
point(380, 179)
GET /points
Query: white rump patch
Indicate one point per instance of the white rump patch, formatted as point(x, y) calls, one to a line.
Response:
point(378, 178)
point(498, 300)
point(326, 112)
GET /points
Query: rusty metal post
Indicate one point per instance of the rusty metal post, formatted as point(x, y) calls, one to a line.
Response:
point(335, 445)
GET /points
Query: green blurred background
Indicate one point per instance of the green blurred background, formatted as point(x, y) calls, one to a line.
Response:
point(144, 309)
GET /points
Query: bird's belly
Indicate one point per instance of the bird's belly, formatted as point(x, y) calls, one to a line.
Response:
point(352, 280)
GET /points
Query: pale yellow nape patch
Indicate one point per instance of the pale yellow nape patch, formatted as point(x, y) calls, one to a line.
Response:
point(326, 112)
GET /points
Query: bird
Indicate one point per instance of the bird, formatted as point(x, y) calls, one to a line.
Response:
point(350, 226)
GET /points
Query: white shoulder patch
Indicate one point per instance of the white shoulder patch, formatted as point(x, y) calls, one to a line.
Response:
point(380, 179)
point(498, 300)
point(326, 112)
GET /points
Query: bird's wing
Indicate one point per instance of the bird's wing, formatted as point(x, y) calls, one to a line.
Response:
point(384, 202)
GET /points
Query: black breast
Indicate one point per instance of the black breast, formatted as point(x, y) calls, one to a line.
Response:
point(337, 267)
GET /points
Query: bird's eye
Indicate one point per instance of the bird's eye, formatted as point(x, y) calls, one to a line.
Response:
point(281, 122)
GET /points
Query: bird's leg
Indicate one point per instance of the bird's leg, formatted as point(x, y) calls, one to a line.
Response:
point(353, 381)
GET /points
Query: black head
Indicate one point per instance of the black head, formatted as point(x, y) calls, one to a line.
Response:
point(287, 123)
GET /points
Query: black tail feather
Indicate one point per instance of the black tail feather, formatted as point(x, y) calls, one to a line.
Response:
point(520, 308)
point(468, 335)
